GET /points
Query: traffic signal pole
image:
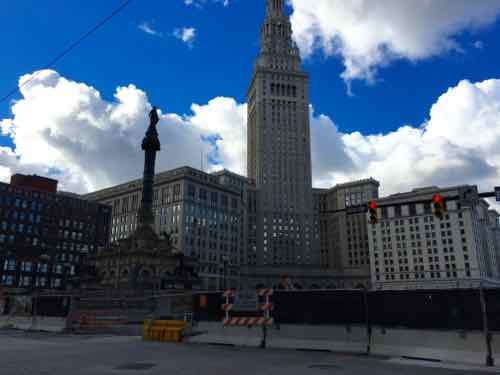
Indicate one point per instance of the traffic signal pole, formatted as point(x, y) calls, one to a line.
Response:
point(487, 335)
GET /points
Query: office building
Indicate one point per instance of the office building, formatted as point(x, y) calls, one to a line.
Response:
point(202, 214)
point(343, 231)
point(45, 235)
point(283, 231)
point(411, 248)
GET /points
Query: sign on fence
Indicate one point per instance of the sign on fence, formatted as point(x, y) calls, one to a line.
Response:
point(246, 300)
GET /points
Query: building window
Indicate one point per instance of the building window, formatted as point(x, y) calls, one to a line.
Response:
point(191, 191)
point(25, 281)
point(224, 201)
point(26, 266)
point(8, 280)
point(214, 197)
point(234, 203)
point(384, 213)
point(10, 265)
point(177, 192)
point(41, 281)
point(42, 267)
point(203, 194)
point(56, 283)
point(125, 205)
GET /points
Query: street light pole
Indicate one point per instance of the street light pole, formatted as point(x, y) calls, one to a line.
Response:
point(367, 320)
point(225, 261)
point(118, 269)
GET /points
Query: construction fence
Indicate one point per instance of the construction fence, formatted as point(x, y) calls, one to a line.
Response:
point(414, 309)
point(459, 309)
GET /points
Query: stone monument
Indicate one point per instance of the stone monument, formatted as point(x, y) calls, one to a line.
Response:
point(144, 260)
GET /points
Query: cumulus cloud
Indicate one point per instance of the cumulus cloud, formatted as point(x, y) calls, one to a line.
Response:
point(148, 29)
point(370, 34)
point(66, 126)
point(458, 144)
point(186, 34)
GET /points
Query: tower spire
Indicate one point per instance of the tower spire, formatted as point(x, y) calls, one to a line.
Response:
point(275, 7)
point(277, 47)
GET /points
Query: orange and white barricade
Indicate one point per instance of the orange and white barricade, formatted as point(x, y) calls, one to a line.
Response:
point(265, 306)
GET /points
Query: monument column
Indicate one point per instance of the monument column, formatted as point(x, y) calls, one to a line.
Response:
point(150, 146)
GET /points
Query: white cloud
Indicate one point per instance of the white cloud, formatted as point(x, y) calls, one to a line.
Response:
point(479, 44)
point(186, 34)
point(370, 34)
point(65, 125)
point(148, 29)
point(200, 3)
point(457, 144)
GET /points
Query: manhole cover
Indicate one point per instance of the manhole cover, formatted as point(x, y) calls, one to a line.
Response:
point(325, 367)
point(136, 366)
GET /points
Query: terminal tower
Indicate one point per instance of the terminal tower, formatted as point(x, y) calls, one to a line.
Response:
point(279, 151)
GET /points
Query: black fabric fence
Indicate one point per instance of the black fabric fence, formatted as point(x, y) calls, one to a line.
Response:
point(458, 309)
point(51, 306)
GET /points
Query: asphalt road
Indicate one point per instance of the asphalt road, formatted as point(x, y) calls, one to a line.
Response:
point(49, 354)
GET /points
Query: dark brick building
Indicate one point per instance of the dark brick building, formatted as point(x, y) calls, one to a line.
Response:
point(45, 235)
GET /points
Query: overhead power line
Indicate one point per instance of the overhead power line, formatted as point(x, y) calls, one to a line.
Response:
point(70, 48)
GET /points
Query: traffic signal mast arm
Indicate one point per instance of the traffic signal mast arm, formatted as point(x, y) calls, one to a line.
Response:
point(487, 195)
point(364, 207)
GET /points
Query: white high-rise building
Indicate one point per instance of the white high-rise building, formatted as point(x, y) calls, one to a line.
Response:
point(410, 248)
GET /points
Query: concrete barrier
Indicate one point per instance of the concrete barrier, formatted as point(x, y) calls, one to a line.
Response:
point(215, 333)
point(46, 324)
point(333, 338)
point(447, 346)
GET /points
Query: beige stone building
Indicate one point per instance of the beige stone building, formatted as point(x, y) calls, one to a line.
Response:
point(202, 213)
point(412, 249)
point(344, 250)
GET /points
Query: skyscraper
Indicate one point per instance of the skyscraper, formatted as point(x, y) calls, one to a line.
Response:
point(279, 148)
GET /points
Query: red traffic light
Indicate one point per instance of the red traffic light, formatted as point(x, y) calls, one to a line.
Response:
point(439, 206)
point(437, 198)
point(372, 207)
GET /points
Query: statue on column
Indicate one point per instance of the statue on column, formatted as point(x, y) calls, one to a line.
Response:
point(150, 146)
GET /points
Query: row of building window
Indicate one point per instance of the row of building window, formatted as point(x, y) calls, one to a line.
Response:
point(26, 281)
point(28, 266)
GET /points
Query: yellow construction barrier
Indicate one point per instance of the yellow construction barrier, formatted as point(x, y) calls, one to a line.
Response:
point(163, 330)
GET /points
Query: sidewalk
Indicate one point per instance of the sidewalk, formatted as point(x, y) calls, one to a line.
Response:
point(443, 365)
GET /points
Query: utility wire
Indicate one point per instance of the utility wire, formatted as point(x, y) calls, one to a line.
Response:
point(71, 47)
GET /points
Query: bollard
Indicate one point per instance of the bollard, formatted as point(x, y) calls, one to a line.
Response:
point(264, 337)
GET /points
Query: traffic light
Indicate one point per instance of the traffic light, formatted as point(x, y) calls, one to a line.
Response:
point(439, 206)
point(372, 208)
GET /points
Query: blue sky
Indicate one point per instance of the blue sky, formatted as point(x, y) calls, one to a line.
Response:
point(220, 61)
point(407, 81)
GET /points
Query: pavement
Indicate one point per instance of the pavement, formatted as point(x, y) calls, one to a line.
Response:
point(32, 353)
